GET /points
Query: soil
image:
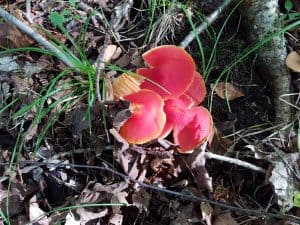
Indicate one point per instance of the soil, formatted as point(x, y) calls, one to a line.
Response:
point(71, 139)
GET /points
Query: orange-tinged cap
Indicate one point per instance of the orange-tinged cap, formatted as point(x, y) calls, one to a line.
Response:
point(148, 117)
point(197, 90)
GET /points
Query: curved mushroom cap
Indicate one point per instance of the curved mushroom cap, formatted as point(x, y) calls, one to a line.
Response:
point(167, 54)
point(171, 71)
point(197, 90)
point(174, 110)
point(148, 117)
point(191, 125)
point(193, 129)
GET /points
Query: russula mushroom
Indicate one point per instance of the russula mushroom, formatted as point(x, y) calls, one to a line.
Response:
point(193, 129)
point(148, 117)
point(171, 71)
point(197, 90)
point(191, 125)
point(126, 84)
point(293, 61)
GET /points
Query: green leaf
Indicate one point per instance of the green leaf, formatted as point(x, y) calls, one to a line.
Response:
point(297, 200)
point(288, 5)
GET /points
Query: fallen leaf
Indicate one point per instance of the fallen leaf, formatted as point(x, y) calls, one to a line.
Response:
point(285, 185)
point(36, 213)
point(111, 52)
point(293, 61)
point(225, 219)
point(11, 37)
point(207, 212)
point(196, 161)
point(228, 91)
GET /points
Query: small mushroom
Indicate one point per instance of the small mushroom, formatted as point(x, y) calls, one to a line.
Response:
point(193, 129)
point(148, 117)
point(171, 71)
point(191, 125)
point(293, 61)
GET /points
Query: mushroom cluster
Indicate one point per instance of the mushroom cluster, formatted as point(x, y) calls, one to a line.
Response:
point(165, 98)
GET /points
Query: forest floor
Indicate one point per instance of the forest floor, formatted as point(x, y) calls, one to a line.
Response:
point(61, 161)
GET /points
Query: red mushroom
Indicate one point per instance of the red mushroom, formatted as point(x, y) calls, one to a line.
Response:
point(191, 125)
point(193, 129)
point(126, 84)
point(171, 71)
point(197, 90)
point(148, 117)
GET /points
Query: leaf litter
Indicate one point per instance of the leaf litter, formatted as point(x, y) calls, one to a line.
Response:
point(39, 185)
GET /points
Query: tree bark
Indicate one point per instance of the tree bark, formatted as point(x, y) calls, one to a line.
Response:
point(261, 18)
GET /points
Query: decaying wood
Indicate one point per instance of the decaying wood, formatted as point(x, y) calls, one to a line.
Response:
point(261, 18)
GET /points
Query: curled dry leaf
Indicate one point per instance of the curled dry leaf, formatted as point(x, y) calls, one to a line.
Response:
point(225, 219)
point(111, 52)
point(293, 61)
point(228, 91)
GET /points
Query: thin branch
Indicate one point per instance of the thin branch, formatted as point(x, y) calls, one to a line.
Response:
point(117, 21)
point(28, 11)
point(208, 21)
point(235, 161)
point(101, 66)
point(37, 37)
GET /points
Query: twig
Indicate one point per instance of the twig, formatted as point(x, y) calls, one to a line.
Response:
point(28, 11)
point(37, 37)
point(235, 161)
point(189, 197)
point(119, 16)
point(208, 21)
point(101, 65)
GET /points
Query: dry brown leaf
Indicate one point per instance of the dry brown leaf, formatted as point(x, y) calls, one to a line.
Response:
point(196, 161)
point(207, 212)
point(36, 213)
point(11, 37)
point(111, 52)
point(293, 61)
point(228, 91)
point(225, 219)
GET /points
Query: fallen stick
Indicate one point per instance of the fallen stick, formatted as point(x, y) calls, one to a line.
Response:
point(208, 21)
point(234, 161)
point(37, 37)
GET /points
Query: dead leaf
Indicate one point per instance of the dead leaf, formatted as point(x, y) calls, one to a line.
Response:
point(228, 91)
point(11, 37)
point(196, 162)
point(141, 199)
point(111, 52)
point(225, 219)
point(207, 212)
point(36, 213)
point(116, 219)
point(293, 61)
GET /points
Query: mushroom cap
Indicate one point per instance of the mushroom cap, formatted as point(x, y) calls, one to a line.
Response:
point(148, 117)
point(193, 129)
point(293, 61)
point(191, 125)
point(174, 110)
point(197, 90)
point(126, 84)
point(166, 54)
point(171, 71)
